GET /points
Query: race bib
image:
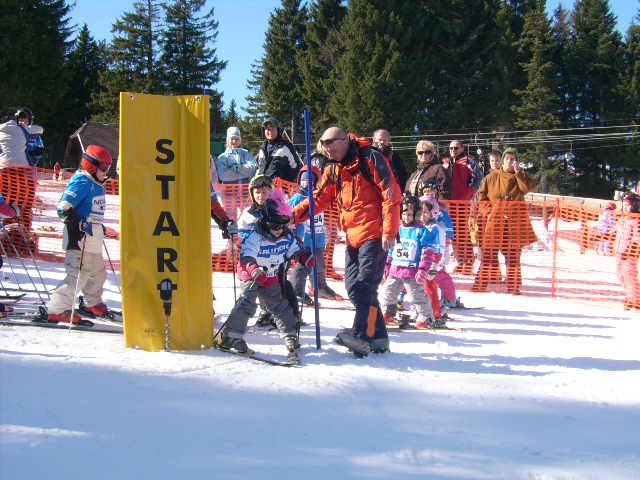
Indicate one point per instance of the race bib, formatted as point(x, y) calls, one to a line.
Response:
point(405, 252)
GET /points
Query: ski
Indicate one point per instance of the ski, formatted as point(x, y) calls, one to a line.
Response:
point(412, 328)
point(292, 361)
point(112, 317)
point(25, 320)
point(11, 298)
point(463, 307)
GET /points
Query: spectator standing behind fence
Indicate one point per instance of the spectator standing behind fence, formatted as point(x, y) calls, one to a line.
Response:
point(466, 176)
point(429, 167)
point(277, 156)
point(606, 229)
point(627, 248)
point(17, 180)
point(368, 198)
point(508, 228)
point(381, 139)
point(235, 164)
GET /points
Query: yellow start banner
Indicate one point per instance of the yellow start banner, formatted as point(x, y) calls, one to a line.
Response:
point(167, 299)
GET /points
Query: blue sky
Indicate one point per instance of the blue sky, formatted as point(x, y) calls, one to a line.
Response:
point(242, 24)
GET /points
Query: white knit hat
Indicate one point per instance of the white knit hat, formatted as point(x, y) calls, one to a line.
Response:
point(232, 132)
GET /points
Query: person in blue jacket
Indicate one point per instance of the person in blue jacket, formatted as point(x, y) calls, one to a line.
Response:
point(303, 230)
point(81, 208)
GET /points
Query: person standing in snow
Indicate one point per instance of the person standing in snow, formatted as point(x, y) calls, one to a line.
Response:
point(368, 198)
point(262, 257)
point(627, 249)
point(303, 230)
point(408, 264)
point(508, 228)
point(81, 208)
point(277, 157)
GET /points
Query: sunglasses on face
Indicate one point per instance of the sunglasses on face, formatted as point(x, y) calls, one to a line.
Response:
point(329, 141)
point(454, 148)
point(276, 226)
point(428, 152)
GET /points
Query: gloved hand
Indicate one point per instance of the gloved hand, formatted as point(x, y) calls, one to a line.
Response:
point(422, 276)
point(257, 274)
point(87, 228)
point(15, 208)
point(308, 260)
point(385, 274)
point(110, 232)
point(229, 229)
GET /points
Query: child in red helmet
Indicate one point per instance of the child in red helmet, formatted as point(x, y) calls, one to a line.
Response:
point(81, 208)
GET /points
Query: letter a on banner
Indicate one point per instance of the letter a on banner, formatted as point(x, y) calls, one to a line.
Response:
point(167, 299)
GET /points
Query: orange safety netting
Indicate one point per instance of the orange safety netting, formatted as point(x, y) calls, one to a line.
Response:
point(555, 247)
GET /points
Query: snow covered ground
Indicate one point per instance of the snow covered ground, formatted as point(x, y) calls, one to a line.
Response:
point(533, 388)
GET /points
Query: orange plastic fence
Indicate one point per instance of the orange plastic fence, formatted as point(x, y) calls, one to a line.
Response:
point(543, 248)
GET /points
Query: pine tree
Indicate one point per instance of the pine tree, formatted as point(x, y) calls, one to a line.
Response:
point(189, 62)
point(316, 61)
point(381, 75)
point(85, 62)
point(34, 40)
point(232, 118)
point(476, 59)
point(132, 59)
point(280, 82)
point(596, 64)
point(256, 108)
point(561, 36)
point(537, 103)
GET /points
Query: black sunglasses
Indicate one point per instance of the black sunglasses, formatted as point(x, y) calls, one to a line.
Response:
point(276, 226)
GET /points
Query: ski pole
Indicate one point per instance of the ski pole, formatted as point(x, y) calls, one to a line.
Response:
point(104, 243)
point(25, 237)
point(233, 261)
point(314, 272)
point(77, 288)
point(24, 267)
point(4, 254)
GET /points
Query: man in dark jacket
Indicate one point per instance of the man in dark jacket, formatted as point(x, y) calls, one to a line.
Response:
point(381, 140)
point(277, 157)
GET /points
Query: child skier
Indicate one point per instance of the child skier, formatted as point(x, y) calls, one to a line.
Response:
point(627, 248)
point(81, 208)
point(607, 229)
point(442, 279)
point(407, 265)
point(260, 187)
point(262, 256)
point(303, 230)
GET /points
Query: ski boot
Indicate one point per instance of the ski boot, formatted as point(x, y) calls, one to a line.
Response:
point(63, 317)
point(380, 345)
point(306, 300)
point(233, 344)
point(327, 292)
point(354, 342)
point(404, 320)
point(265, 320)
point(455, 303)
point(292, 343)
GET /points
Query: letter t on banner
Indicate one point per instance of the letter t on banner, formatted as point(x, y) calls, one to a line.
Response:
point(165, 222)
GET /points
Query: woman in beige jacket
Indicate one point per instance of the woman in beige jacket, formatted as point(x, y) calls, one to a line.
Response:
point(508, 227)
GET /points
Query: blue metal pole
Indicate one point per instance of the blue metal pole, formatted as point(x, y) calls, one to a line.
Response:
point(314, 273)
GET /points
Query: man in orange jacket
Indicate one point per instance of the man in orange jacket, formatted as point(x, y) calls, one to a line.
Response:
point(368, 198)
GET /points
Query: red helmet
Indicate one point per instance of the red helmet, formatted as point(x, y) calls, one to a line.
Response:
point(96, 158)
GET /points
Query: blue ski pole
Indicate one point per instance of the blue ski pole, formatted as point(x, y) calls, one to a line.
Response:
point(314, 272)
